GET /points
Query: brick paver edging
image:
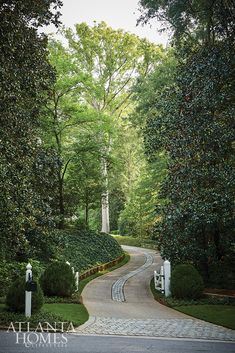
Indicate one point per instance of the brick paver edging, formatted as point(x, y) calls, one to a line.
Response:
point(101, 267)
point(117, 292)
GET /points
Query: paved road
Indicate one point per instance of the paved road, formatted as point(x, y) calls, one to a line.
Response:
point(109, 344)
point(121, 303)
point(122, 307)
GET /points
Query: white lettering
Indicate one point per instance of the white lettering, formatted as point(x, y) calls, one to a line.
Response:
point(20, 324)
point(11, 326)
point(39, 327)
point(62, 325)
point(20, 336)
point(45, 338)
point(64, 338)
point(30, 338)
point(55, 337)
point(70, 328)
point(49, 326)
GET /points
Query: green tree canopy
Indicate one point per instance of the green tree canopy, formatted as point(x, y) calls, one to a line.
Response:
point(25, 77)
point(201, 19)
point(192, 121)
point(95, 76)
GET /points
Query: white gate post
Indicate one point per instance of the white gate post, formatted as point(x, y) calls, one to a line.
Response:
point(77, 280)
point(167, 275)
point(76, 275)
point(155, 279)
point(28, 295)
point(162, 279)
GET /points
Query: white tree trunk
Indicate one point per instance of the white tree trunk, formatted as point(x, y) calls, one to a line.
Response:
point(105, 213)
point(105, 198)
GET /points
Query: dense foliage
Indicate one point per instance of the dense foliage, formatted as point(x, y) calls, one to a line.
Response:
point(197, 221)
point(75, 249)
point(73, 120)
point(10, 271)
point(192, 121)
point(200, 20)
point(58, 280)
point(15, 299)
point(139, 215)
point(87, 118)
point(186, 282)
point(83, 249)
point(25, 76)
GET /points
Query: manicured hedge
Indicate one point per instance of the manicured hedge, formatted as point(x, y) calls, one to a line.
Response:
point(186, 282)
point(58, 280)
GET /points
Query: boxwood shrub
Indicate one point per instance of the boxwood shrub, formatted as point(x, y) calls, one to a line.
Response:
point(15, 299)
point(186, 282)
point(58, 280)
point(11, 270)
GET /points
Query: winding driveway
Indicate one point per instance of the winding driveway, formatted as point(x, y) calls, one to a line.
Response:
point(121, 303)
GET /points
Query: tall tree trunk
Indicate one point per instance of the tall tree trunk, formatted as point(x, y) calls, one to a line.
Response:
point(61, 201)
point(217, 242)
point(61, 175)
point(105, 198)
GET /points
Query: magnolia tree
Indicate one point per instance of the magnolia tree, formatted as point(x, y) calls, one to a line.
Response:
point(191, 120)
point(26, 77)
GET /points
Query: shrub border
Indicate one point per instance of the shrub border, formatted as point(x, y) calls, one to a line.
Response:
point(89, 273)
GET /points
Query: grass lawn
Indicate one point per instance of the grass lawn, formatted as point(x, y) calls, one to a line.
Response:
point(6, 317)
point(223, 315)
point(219, 314)
point(132, 241)
point(75, 313)
point(57, 312)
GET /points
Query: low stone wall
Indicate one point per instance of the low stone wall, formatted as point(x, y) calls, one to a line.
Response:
point(101, 268)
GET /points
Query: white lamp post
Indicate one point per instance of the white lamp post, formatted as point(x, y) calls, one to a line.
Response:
point(28, 295)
